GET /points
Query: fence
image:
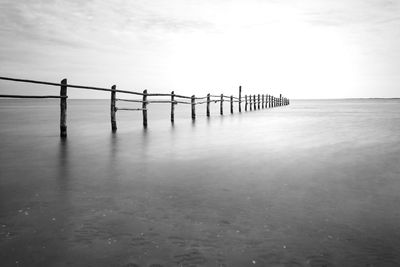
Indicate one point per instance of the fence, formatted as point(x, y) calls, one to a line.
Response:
point(251, 101)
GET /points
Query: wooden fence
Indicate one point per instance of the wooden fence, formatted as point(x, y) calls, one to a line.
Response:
point(250, 101)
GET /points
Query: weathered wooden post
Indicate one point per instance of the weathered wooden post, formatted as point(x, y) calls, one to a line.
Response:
point(221, 106)
point(208, 105)
point(255, 102)
point(113, 109)
point(144, 108)
point(172, 106)
point(250, 103)
point(258, 102)
point(231, 104)
point(240, 98)
point(245, 102)
point(269, 101)
point(63, 108)
point(262, 101)
point(280, 99)
point(193, 99)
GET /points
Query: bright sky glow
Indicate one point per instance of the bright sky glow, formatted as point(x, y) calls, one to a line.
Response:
point(303, 49)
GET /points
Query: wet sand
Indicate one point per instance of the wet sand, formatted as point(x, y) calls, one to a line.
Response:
point(312, 184)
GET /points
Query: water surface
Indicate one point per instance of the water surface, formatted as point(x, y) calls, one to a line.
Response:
point(311, 184)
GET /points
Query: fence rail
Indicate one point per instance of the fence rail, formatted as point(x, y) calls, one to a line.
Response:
point(250, 101)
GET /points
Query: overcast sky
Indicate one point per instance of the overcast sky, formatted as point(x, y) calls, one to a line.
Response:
point(301, 48)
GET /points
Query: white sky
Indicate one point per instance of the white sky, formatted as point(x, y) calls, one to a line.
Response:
point(302, 49)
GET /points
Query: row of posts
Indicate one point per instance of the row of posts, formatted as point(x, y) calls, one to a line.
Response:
point(251, 102)
point(262, 101)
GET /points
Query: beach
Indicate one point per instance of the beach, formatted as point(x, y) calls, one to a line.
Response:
point(314, 183)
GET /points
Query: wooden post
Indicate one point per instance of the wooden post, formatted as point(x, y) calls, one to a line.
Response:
point(250, 103)
point(255, 102)
point(113, 109)
point(269, 101)
point(258, 102)
point(221, 107)
point(172, 106)
point(63, 109)
point(240, 98)
point(245, 102)
point(144, 108)
point(231, 104)
point(280, 99)
point(193, 107)
point(208, 105)
point(262, 101)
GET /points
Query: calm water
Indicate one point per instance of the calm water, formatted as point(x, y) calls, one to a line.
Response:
point(315, 183)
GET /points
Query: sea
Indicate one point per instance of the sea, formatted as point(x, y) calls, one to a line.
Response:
point(315, 183)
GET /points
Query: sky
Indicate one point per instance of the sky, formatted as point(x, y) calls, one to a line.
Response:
point(300, 48)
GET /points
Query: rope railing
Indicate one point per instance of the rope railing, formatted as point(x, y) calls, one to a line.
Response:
point(33, 96)
point(250, 101)
point(70, 85)
point(129, 109)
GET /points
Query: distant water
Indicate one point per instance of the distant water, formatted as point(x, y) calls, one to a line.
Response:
point(315, 183)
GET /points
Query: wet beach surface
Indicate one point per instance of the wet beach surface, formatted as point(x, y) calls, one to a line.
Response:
point(315, 183)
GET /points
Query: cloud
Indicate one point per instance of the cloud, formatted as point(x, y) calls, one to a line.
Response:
point(209, 40)
point(353, 13)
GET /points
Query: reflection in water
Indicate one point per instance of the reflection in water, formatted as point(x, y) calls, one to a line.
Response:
point(63, 166)
point(143, 144)
point(114, 146)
